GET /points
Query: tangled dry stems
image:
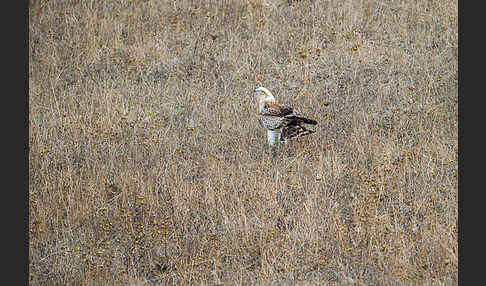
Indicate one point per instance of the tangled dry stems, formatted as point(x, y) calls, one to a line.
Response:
point(147, 164)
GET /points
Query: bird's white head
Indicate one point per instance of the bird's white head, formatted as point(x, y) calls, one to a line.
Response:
point(263, 95)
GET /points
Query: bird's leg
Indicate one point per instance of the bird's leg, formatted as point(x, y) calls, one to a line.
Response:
point(273, 140)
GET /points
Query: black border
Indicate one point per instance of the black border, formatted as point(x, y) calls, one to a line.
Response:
point(17, 75)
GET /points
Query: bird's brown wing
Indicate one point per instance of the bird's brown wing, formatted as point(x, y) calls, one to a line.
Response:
point(275, 109)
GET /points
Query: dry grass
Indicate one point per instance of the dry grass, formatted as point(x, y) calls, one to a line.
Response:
point(147, 164)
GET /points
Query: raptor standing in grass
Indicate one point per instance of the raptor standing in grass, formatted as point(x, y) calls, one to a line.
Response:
point(281, 122)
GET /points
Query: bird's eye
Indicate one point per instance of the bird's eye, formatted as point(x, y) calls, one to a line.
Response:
point(262, 92)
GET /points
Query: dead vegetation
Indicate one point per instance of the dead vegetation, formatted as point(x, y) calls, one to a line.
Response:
point(147, 165)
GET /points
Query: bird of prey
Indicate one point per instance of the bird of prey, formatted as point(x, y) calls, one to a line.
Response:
point(282, 122)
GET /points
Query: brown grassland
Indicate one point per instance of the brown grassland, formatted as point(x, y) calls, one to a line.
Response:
point(147, 165)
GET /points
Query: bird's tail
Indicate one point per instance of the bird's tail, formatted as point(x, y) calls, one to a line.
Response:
point(294, 131)
point(301, 119)
point(308, 121)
